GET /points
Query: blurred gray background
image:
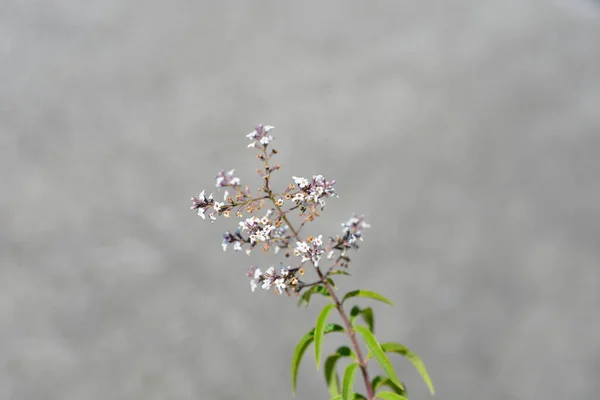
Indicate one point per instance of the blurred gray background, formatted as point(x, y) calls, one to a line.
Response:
point(468, 133)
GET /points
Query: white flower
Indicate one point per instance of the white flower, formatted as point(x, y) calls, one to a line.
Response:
point(248, 223)
point(298, 197)
point(255, 278)
point(300, 181)
point(315, 259)
point(266, 139)
point(318, 241)
point(218, 206)
point(260, 133)
point(280, 285)
point(260, 236)
point(268, 281)
point(235, 180)
point(302, 247)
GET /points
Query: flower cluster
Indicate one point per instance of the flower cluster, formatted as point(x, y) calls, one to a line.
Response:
point(273, 229)
point(260, 136)
point(311, 250)
point(259, 229)
point(284, 281)
point(236, 238)
point(312, 191)
point(203, 204)
point(352, 233)
point(227, 179)
point(353, 230)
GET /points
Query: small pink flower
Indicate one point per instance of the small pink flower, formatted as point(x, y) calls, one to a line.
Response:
point(260, 136)
point(227, 179)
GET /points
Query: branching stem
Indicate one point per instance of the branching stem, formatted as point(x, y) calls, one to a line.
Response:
point(334, 298)
point(340, 308)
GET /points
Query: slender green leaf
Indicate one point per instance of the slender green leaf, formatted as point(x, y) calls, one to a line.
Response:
point(339, 397)
point(380, 381)
point(413, 358)
point(339, 272)
point(365, 313)
point(303, 345)
point(354, 312)
point(375, 349)
point(306, 296)
point(319, 331)
point(348, 383)
point(390, 396)
point(368, 294)
point(331, 377)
